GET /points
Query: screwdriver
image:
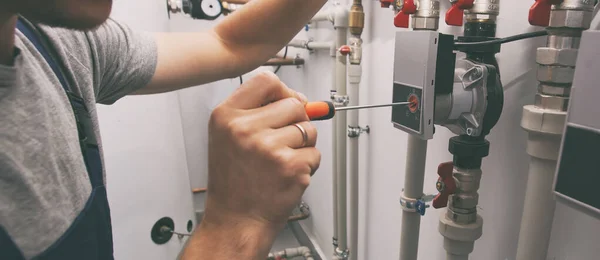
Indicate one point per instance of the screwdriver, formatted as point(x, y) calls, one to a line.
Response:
point(323, 110)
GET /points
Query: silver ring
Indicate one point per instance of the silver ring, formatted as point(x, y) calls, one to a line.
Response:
point(304, 135)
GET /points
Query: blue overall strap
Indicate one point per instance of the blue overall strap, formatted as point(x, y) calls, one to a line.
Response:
point(90, 234)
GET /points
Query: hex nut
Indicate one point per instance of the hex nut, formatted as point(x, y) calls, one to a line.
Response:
point(552, 56)
point(555, 74)
point(575, 19)
point(460, 218)
point(552, 102)
point(464, 201)
point(425, 23)
point(564, 91)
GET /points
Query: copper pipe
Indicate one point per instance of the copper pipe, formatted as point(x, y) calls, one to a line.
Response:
point(199, 190)
point(284, 62)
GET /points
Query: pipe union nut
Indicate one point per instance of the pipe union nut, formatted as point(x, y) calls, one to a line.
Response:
point(461, 232)
point(425, 23)
point(464, 201)
point(555, 74)
point(552, 102)
point(460, 218)
point(552, 56)
point(573, 19)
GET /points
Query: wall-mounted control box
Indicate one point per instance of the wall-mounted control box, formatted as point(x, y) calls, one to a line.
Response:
point(420, 71)
point(578, 172)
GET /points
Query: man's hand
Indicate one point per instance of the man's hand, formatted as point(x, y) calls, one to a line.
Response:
point(258, 169)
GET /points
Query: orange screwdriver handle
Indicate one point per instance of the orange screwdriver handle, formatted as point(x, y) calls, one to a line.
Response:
point(321, 110)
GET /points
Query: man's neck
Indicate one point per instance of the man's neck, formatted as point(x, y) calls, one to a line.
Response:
point(7, 37)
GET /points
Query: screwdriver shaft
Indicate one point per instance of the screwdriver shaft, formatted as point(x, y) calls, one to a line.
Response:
point(371, 106)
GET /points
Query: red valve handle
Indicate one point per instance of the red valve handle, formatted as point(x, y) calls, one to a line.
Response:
point(402, 17)
point(539, 13)
point(386, 3)
point(454, 16)
point(445, 185)
point(345, 50)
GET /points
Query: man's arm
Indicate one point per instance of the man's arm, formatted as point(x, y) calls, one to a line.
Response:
point(240, 43)
point(259, 164)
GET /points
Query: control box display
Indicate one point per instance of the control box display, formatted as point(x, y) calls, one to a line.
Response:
point(420, 71)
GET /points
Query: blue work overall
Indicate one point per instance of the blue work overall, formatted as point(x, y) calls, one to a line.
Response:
point(90, 235)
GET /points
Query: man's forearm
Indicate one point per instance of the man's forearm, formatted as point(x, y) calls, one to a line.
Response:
point(260, 29)
point(223, 238)
point(240, 43)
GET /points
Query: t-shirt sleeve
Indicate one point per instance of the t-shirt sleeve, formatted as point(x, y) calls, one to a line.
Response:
point(124, 60)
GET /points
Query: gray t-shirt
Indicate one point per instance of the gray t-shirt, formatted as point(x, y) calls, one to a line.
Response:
point(44, 184)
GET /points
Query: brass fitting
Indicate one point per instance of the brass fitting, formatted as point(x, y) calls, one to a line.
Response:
point(356, 19)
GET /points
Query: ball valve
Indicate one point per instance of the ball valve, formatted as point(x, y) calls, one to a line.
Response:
point(445, 185)
point(455, 14)
point(345, 50)
point(539, 13)
point(402, 18)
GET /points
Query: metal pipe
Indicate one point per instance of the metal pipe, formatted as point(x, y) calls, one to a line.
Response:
point(284, 62)
point(414, 177)
point(340, 129)
point(199, 190)
point(545, 123)
point(310, 45)
point(354, 78)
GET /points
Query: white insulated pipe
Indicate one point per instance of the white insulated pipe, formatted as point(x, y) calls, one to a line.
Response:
point(414, 178)
point(341, 124)
point(354, 77)
point(456, 257)
point(324, 15)
point(538, 213)
point(310, 45)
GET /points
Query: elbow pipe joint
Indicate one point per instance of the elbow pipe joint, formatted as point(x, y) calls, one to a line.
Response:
point(340, 17)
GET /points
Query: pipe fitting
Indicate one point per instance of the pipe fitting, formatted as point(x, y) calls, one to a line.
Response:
point(341, 254)
point(575, 5)
point(553, 90)
point(340, 17)
point(427, 16)
point(545, 128)
point(483, 11)
point(555, 74)
point(356, 131)
point(559, 103)
point(459, 232)
point(571, 19)
point(557, 57)
point(339, 100)
point(356, 20)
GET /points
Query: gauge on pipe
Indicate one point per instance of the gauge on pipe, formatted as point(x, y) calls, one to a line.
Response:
point(206, 9)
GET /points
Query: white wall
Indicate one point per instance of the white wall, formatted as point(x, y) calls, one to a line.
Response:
point(147, 176)
point(505, 169)
point(381, 181)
